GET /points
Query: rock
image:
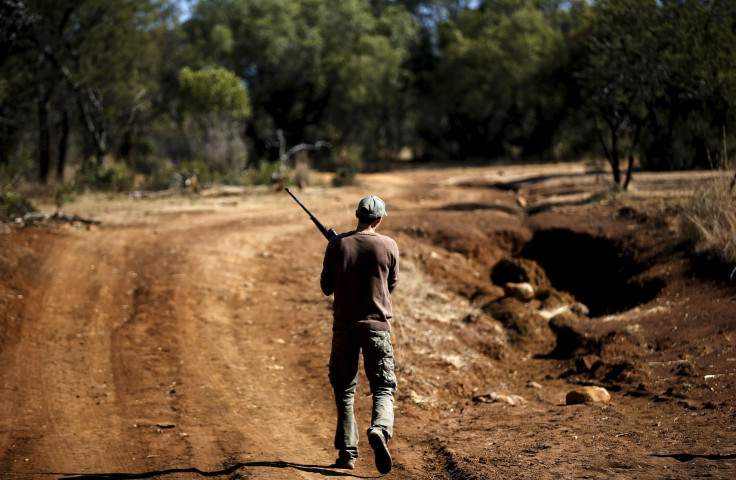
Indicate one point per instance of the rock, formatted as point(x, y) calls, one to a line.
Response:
point(493, 397)
point(534, 385)
point(549, 314)
point(552, 299)
point(512, 400)
point(521, 291)
point(589, 394)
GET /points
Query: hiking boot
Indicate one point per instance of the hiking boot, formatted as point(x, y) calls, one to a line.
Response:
point(378, 444)
point(346, 463)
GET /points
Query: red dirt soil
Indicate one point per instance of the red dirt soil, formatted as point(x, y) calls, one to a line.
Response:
point(186, 337)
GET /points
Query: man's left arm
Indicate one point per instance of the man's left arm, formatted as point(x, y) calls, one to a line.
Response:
point(327, 278)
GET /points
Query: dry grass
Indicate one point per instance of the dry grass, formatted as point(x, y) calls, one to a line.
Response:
point(709, 221)
point(429, 330)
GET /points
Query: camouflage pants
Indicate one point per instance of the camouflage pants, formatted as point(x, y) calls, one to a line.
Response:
point(378, 359)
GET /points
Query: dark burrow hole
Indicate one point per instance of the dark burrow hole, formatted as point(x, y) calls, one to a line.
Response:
point(595, 270)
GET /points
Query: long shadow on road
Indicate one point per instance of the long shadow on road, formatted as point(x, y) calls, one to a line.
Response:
point(686, 457)
point(318, 469)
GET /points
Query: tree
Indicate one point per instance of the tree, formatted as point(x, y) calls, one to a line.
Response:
point(25, 86)
point(91, 67)
point(487, 84)
point(315, 69)
point(214, 91)
point(697, 45)
point(622, 76)
point(660, 80)
point(217, 102)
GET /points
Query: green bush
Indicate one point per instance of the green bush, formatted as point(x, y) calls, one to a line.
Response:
point(345, 175)
point(112, 176)
point(231, 178)
point(347, 166)
point(199, 168)
point(263, 175)
point(161, 178)
point(116, 177)
point(20, 162)
point(12, 206)
point(167, 176)
point(65, 193)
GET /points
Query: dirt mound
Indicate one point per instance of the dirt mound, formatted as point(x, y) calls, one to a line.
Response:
point(614, 359)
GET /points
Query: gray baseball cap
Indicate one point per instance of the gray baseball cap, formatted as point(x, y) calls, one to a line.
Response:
point(371, 207)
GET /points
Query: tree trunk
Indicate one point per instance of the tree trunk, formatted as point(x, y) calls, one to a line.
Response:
point(126, 146)
point(44, 138)
point(630, 167)
point(612, 154)
point(63, 144)
point(90, 105)
point(89, 100)
point(614, 159)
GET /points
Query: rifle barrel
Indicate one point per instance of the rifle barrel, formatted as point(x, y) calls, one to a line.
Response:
point(328, 233)
point(297, 201)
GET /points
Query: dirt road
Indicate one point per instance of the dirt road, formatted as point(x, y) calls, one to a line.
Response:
point(187, 338)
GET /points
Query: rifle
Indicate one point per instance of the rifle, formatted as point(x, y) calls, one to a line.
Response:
point(327, 233)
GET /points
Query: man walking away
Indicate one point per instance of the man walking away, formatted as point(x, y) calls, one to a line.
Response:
point(361, 269)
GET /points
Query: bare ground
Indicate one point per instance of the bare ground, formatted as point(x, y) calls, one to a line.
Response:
point(186, 337)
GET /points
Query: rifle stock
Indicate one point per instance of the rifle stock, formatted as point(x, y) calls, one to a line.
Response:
point(328, 233)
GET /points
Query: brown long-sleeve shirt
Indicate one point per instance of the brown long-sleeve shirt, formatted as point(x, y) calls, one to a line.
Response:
point(361, 269)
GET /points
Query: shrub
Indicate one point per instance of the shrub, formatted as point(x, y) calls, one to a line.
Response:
point(161, 179)
point(12, 205)
point(348, 164)
point(199, 168)
point(231, 178)
point(345, 175)
point(115, 177)
point(167, 176)
point(263, 175)
point(65, 193)
point(708, 222)
point(112, 176)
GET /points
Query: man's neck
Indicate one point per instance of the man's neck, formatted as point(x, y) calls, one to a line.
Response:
point(368, 227)
point(365, 228)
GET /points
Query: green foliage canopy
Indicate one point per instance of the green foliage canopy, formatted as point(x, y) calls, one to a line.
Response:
point(461, 79)
point(316, 69)
point(487, 79)
point(659, 78)
point(214, 91)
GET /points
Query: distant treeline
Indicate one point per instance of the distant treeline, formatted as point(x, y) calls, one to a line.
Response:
point(239, 82)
